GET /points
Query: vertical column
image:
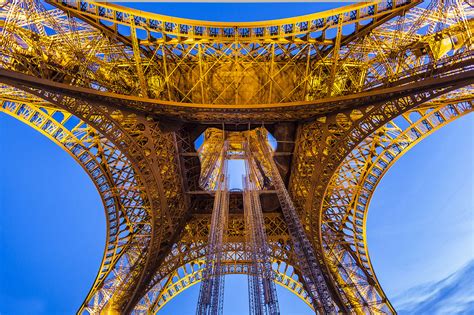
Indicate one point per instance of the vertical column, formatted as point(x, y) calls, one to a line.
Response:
point(262, 292)
point(311, 273)
point(211, 294)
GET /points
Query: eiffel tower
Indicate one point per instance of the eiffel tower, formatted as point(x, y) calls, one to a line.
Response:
point(154, 108)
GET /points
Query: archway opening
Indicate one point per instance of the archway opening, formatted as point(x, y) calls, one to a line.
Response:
point(235, 299)
point(52, 226)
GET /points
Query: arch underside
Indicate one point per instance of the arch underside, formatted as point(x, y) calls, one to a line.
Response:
point(133, 160)
point(344, 213)
point(191, 274)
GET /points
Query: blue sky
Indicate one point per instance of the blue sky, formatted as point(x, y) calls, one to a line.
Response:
point(52, 231)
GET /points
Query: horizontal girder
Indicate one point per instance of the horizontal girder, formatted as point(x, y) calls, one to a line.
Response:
point(458, 68)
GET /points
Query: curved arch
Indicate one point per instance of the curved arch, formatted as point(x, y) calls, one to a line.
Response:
point(322, 146)
point(190, 274)
point(146, 209)
point(111, 173)
point(183, 266)
point(152, 154)
point(192, 247)
point(346, 202)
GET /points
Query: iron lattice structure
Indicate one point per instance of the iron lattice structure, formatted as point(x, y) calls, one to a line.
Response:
point(345, 93)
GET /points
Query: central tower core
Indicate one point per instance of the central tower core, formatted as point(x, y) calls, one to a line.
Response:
point(238, 144)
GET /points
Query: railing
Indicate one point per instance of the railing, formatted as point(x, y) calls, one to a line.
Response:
point(165, 26)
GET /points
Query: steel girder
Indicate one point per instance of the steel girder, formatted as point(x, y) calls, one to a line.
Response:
point(457, 68)
point(347, 198)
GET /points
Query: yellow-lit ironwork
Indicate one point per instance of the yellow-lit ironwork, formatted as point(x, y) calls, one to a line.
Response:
point(345, 93)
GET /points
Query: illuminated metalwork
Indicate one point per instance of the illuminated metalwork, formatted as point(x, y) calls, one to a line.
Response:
point(310, 270)
point(262, 292)
point(211, 295)
point(345, 93)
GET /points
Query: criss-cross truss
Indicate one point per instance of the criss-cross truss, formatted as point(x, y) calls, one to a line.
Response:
point(345, 93)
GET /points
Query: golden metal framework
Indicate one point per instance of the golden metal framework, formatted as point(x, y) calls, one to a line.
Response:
point(345, 93)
